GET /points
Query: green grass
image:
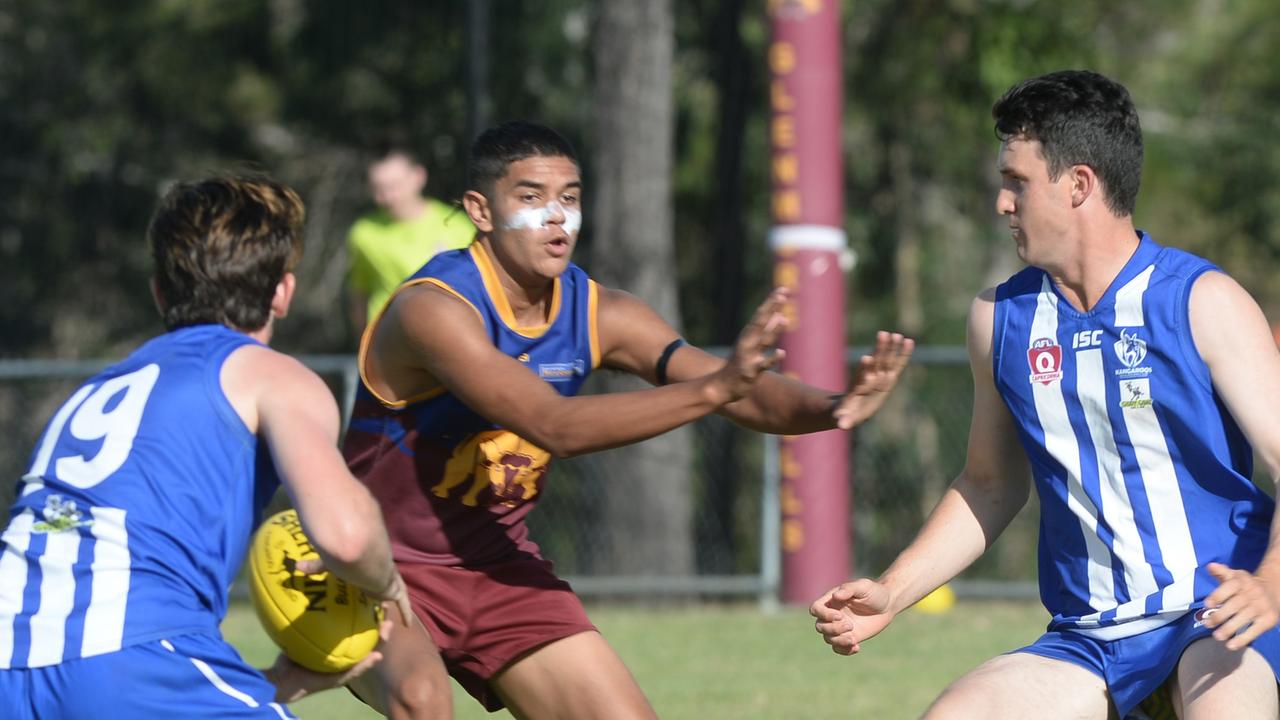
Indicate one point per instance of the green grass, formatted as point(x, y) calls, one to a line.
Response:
point(735, 662)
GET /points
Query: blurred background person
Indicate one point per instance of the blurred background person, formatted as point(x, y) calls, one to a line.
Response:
point(407, 229)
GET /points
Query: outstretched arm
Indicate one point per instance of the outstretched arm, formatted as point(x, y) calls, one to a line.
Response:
point(775, 403)
point(978, 506)
point(429, 336)
point(779, 404)
point(1232, 335)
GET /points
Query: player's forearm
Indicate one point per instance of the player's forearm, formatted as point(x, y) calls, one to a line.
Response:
point(571, 426)
point(373, 570)
point(965, 522)
point(352, 540)
point(780, 405)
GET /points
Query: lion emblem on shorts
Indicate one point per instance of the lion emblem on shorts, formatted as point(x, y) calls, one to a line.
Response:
point(507, 465)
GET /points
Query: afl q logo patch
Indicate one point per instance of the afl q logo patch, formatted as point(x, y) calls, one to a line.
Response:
point(1045, 358)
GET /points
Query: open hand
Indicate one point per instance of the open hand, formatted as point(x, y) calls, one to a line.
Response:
point(294, 682)
point(851, 613)
point(1244, 605)
point(874, 377)
point(756, 349)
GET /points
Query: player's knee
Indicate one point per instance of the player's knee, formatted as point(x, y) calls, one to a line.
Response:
point(424, 697)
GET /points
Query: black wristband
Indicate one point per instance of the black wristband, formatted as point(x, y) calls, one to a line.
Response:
point(661, 370)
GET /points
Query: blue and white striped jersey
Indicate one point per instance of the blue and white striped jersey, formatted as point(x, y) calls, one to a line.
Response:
point(1143, 475)
point(137, 507)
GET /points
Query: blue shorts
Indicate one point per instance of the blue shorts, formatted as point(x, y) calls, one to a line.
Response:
point(1134, 667)
point(187, 676)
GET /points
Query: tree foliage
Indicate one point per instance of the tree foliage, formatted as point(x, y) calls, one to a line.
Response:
point(103, 105)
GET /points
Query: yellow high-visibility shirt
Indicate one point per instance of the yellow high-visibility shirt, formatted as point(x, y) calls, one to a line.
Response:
point(383, 252)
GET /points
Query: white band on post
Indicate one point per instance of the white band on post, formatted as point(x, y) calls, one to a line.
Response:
point(813, 237)
point(807, 237)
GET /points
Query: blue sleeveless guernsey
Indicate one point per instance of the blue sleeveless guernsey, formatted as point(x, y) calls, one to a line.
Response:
point(1143, 476)
point(454, 487)
point(136, 510)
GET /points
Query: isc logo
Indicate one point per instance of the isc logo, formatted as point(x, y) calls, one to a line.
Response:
point(1086, 338)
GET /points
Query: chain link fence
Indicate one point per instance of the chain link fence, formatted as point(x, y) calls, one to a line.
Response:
point(903, 459)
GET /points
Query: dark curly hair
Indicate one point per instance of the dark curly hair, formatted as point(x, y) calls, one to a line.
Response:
point(499, 146)
point(1080, 118)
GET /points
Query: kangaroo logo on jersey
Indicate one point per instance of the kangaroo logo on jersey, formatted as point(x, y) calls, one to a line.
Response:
point(1135, 394)
point(60, 515)
point(560, 372)
point(1045, 357)
point(1131, 350)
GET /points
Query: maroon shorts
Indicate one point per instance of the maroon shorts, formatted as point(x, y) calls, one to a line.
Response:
point(484, 618)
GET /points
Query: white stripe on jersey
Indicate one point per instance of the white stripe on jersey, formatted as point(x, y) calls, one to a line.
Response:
point(1173, 533)
point(57, 598)
point(1116, 507)
point(104, 618)
point(1129, 300)
point(13, 580)
point(1159, 480)
point(1060, 442)
point(1131, 614)
point(1125, 629)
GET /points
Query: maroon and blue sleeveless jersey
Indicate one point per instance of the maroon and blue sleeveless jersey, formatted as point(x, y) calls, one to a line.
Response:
point(136, 508)
point(454, 487)
point(1143, 475)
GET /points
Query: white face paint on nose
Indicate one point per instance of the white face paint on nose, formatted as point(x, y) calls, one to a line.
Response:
point(536, 218)
point(528, 218)
point(572, 221)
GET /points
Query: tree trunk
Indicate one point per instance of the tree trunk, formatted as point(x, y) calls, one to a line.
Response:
point(647, 508)
point(732, 73)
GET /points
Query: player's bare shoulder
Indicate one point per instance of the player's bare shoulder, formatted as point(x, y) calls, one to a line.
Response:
point(430, 295)
point(632, 333)
point(255, 377)
point(422, 311)
point(619, 305)
point(1216, 296)
point(981, 324)
point(1227, 325)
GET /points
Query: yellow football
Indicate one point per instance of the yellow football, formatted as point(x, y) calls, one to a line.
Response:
point(937, 602)
point(319, 621)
